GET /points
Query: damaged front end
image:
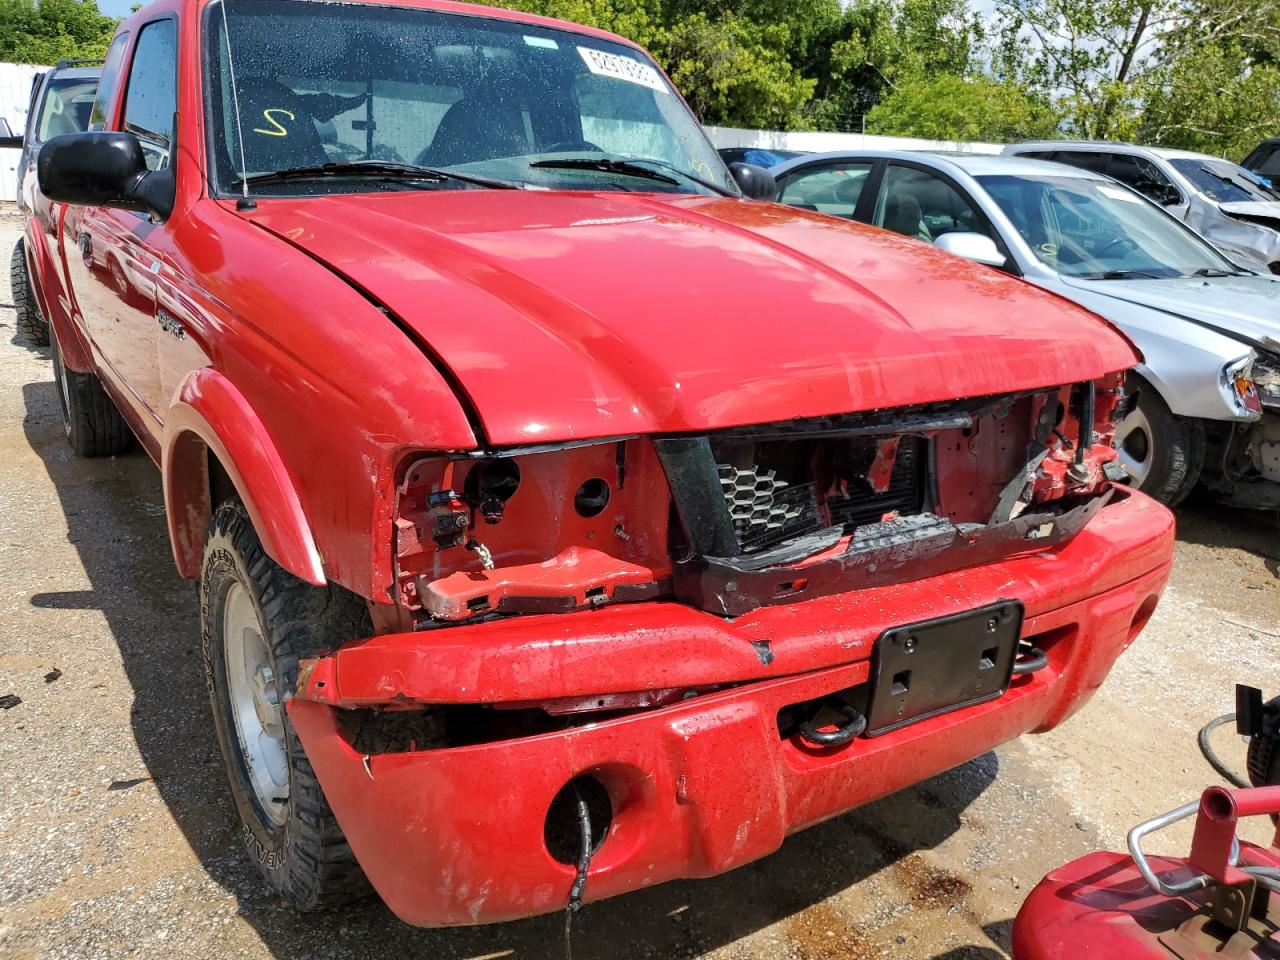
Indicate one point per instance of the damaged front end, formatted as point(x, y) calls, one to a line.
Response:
point(752, 516)
point(1245, 453)
point(613, 624)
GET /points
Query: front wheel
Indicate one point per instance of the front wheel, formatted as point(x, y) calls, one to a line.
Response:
point(257, 620)
point(1162, 454)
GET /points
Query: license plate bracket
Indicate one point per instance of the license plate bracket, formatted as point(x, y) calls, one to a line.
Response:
point(925, 669)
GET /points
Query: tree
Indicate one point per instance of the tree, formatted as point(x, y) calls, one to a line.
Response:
point(949, 107)
point(1094, 55)
point(52, 30)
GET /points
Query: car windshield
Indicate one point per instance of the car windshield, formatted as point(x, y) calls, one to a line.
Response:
point(1097, 230)
point(1224, 182)
point(67, 102)
point(355, 85)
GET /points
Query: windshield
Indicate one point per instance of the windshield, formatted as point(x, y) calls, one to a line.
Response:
point(1224, 182)
point(67, 103)
point(1098, 230)
point(330, 83)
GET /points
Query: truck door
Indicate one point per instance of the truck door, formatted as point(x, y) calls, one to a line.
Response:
point(112, 255)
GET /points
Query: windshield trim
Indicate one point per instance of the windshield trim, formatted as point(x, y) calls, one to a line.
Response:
point(219, 191)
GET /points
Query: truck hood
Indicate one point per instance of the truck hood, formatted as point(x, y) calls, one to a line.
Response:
point(576, 315)
point(1244, 308)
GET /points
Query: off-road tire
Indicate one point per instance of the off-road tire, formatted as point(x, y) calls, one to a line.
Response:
point(305, 860)
point(90, 421)
point(1177, 448)
point(30, 324)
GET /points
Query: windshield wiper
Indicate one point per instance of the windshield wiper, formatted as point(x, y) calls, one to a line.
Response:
point(374, 169)
point(630, 167)
point(1218, 272)
point(1125, 275)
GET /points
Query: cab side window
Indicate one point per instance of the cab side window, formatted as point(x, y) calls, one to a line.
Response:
point(107, 83)
point(151, 94)
point(1084, 159)
point(833, 190)
point(917, 203)
point(1144, 176)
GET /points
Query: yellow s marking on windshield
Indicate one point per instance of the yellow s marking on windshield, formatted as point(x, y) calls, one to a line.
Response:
point(279, 130)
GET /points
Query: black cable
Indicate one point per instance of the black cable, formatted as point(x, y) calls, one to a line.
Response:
point(1212, 757)
point(579, 881)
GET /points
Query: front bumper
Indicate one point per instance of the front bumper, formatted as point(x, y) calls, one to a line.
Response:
point(456, 836)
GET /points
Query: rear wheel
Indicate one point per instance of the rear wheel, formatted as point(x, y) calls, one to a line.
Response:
point(92, 424)
point(257, 621)
point(31, 325)
point(1161, 454)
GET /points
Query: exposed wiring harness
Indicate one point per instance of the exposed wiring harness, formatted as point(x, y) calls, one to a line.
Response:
point(580, 880)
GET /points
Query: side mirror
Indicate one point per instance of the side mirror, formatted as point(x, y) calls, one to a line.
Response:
point(7, 137)
point(756, 183)
point(104, 169)
point(977, 247)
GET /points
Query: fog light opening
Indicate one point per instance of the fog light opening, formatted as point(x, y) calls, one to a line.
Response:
point(1141, 616)
point(561, 832)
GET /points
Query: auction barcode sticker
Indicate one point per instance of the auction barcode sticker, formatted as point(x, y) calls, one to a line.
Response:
point(622, 68)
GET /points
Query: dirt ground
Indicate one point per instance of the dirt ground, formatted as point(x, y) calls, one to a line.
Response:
point(117, 836)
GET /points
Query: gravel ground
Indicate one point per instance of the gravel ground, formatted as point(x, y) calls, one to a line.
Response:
point(117, 836)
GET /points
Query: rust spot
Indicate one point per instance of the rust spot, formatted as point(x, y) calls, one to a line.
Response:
point(819, 933)
point(929, 886)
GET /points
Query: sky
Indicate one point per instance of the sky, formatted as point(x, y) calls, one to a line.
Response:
point(116, 8)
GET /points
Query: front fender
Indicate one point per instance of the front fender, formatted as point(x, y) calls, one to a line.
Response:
point(209, 415)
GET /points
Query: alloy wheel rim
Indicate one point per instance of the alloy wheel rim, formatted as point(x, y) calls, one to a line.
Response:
point(256, 709)
point(1134, 447)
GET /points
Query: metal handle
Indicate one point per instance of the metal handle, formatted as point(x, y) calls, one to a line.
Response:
point(854, 725)
point(1134, 841)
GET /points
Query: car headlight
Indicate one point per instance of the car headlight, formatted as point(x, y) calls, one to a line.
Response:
point(1240, 383)
point(1266, 379)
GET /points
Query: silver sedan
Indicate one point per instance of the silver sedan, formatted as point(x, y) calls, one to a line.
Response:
point(1208, 388)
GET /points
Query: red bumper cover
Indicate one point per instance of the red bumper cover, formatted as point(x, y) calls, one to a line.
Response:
point(455, 836)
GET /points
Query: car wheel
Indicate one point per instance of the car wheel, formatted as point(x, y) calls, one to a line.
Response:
point(1161, 453)
point(92, 424)
point(30, 324)
point(257, 621)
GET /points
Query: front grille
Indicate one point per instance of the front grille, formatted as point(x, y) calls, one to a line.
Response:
point(766, 510)
point(778, 490)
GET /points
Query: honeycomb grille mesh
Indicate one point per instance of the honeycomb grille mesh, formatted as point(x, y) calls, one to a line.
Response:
point(765, 509)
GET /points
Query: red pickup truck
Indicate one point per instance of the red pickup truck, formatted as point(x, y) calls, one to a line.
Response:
point(562, 515)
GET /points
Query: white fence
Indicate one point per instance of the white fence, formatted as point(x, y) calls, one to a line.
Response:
point(823, 142)
point(15, 97)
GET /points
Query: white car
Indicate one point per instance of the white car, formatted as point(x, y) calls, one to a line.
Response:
point(1208, 390)
point(1229, 206)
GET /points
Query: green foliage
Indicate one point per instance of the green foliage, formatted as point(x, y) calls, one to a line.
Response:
point(950, 107)
point(52, 30)
point(1218, 102)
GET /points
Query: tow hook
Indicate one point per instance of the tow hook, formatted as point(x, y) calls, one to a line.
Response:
point(1030, 659)
point(854, 724)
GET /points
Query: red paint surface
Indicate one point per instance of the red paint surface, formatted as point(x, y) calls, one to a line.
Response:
point(456, 836)
point(1100, 906)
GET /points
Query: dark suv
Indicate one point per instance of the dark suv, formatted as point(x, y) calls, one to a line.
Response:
point(61, 100)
